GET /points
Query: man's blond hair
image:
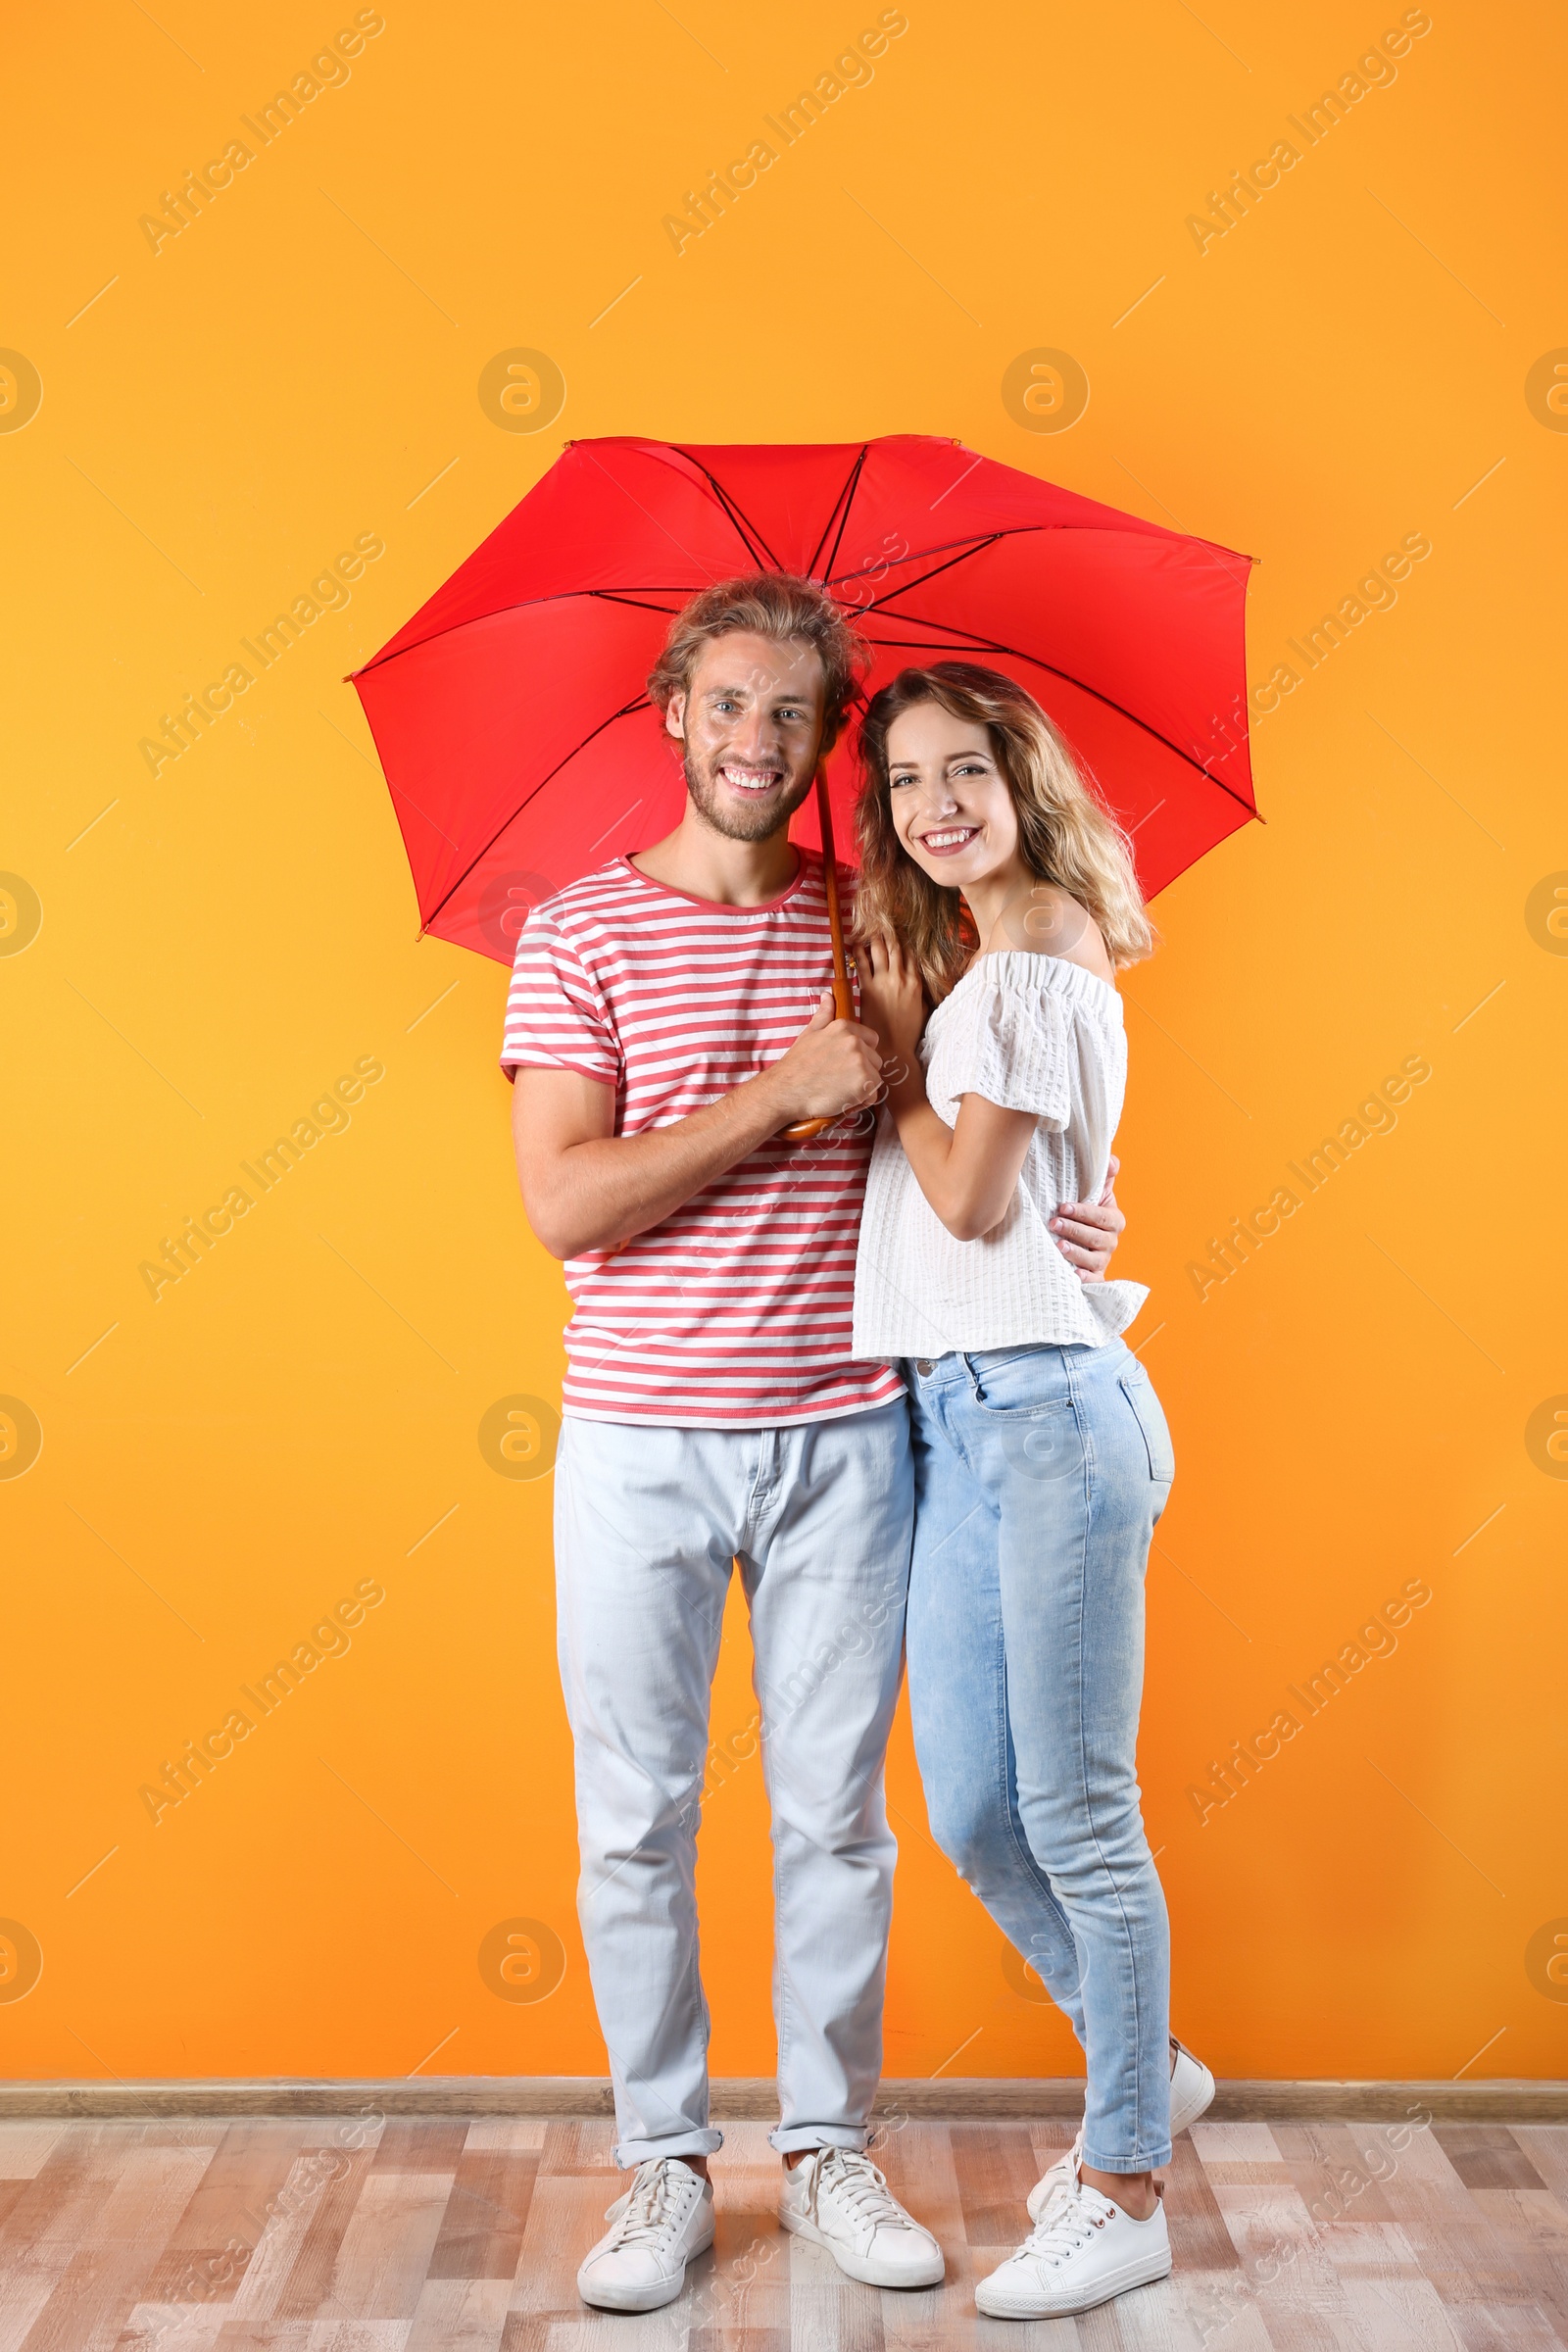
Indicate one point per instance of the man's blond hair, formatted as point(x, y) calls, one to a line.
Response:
point(767, 603)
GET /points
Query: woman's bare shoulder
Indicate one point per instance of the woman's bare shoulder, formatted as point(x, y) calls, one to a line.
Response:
point(1051, 921)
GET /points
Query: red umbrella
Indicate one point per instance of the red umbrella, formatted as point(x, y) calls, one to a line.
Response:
point(516, 736)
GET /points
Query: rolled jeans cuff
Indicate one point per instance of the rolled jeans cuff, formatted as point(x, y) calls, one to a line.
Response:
point(800, 2136)
point(1128, 2164)
point(629, 2153)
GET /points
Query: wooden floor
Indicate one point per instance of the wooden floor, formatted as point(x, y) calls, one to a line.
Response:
point(170, 2237)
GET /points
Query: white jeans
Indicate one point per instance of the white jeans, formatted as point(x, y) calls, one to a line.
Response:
point(649, 1523)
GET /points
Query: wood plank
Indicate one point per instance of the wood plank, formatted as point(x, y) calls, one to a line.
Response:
point(1221, 2310)
point(172, 2328)
point(286, 2222)
point(22, 2297)
point(384, 2255)
point(1097, 2330)
point(458, 2315)
point(1546, 2146)
point(75, 2178)
point(1503, 2327)
point(1050, 2140)
point(566, 2215)
point(356, 2335)
point(922, 2171)
point(1200, 2238)
point(1335, 2180)
point(577, 2146)
point(300, 2294)
point(485, 2216)
point(23, 2147)
point(995, 2169)
point(1401, 2314)
point(419, 2144)
point(1234, 2143)
point(1286, 2265)
point(1533, 2216)
point(102, 2282)
point(1158, 2319)
point(207, 2253)
point(741, 2292)
point(826, 2310)
point(1487, 2156)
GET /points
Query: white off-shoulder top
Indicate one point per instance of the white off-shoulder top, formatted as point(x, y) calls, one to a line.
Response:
point(1030, 1032)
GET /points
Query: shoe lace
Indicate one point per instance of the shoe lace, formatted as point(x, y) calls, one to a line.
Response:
point(654, 2201)
point(856, 2182)
point(1068, 2223)
point(1062, 2180)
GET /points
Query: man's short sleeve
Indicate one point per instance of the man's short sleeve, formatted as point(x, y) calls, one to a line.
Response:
point(556, 1017)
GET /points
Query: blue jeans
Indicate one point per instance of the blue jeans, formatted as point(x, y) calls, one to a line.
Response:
point(1040, 1473)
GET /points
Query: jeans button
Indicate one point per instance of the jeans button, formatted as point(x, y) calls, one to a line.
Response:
point(924, 1366)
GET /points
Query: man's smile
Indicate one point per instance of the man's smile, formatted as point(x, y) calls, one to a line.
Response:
point(741, 778)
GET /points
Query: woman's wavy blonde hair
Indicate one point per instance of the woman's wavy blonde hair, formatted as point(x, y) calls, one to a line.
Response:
point(1066, 835)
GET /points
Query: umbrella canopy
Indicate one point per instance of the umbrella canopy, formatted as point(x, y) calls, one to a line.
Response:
point(510, 713)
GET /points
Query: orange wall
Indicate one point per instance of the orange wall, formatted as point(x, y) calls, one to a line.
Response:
point(297, 368)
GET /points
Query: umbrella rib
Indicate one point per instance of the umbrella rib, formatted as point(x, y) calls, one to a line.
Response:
point(1022, 531)
point(761, 553)
point(988, 645)
point(639, 703)
point(631, 596)
point(844, 500)
point(746, 531)
point(850, 499)
point(524, 604)
point(881, 604)
point(965, 547)
point(560, 596)
point(637, 502)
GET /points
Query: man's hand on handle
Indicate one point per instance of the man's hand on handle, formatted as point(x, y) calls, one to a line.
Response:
point(1086, 1231)
point(834, 1066)
point(587, 1188)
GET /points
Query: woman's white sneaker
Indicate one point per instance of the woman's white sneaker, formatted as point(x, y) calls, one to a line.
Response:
point(664, 2218)
point(837, 2198)
point(1084, 2249)
point(1191, 2089)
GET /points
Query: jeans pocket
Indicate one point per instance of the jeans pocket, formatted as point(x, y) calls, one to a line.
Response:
point(1150, 1415)
point(1043, 1447)
point(1039, 1435)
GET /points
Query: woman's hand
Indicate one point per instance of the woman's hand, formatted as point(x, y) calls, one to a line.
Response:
point(892, 998)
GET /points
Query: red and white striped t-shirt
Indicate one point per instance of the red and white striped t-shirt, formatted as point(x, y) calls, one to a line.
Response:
point(736, 1311)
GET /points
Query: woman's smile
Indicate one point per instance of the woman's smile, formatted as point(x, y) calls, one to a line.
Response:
point(947, 841)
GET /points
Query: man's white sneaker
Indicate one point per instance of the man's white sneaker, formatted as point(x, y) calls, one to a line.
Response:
point(1084, 2250)
point(1192, 2088)
point(837, 2198)
point(663, 2220)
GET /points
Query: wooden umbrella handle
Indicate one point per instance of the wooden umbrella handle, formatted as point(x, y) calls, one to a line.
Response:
point(843, 994)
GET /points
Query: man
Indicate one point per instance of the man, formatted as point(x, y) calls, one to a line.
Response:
point(667, 1020)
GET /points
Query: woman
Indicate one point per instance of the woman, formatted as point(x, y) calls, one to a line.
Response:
point(995, 886)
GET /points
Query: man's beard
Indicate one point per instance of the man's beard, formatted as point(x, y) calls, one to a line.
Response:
point(740, 822)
